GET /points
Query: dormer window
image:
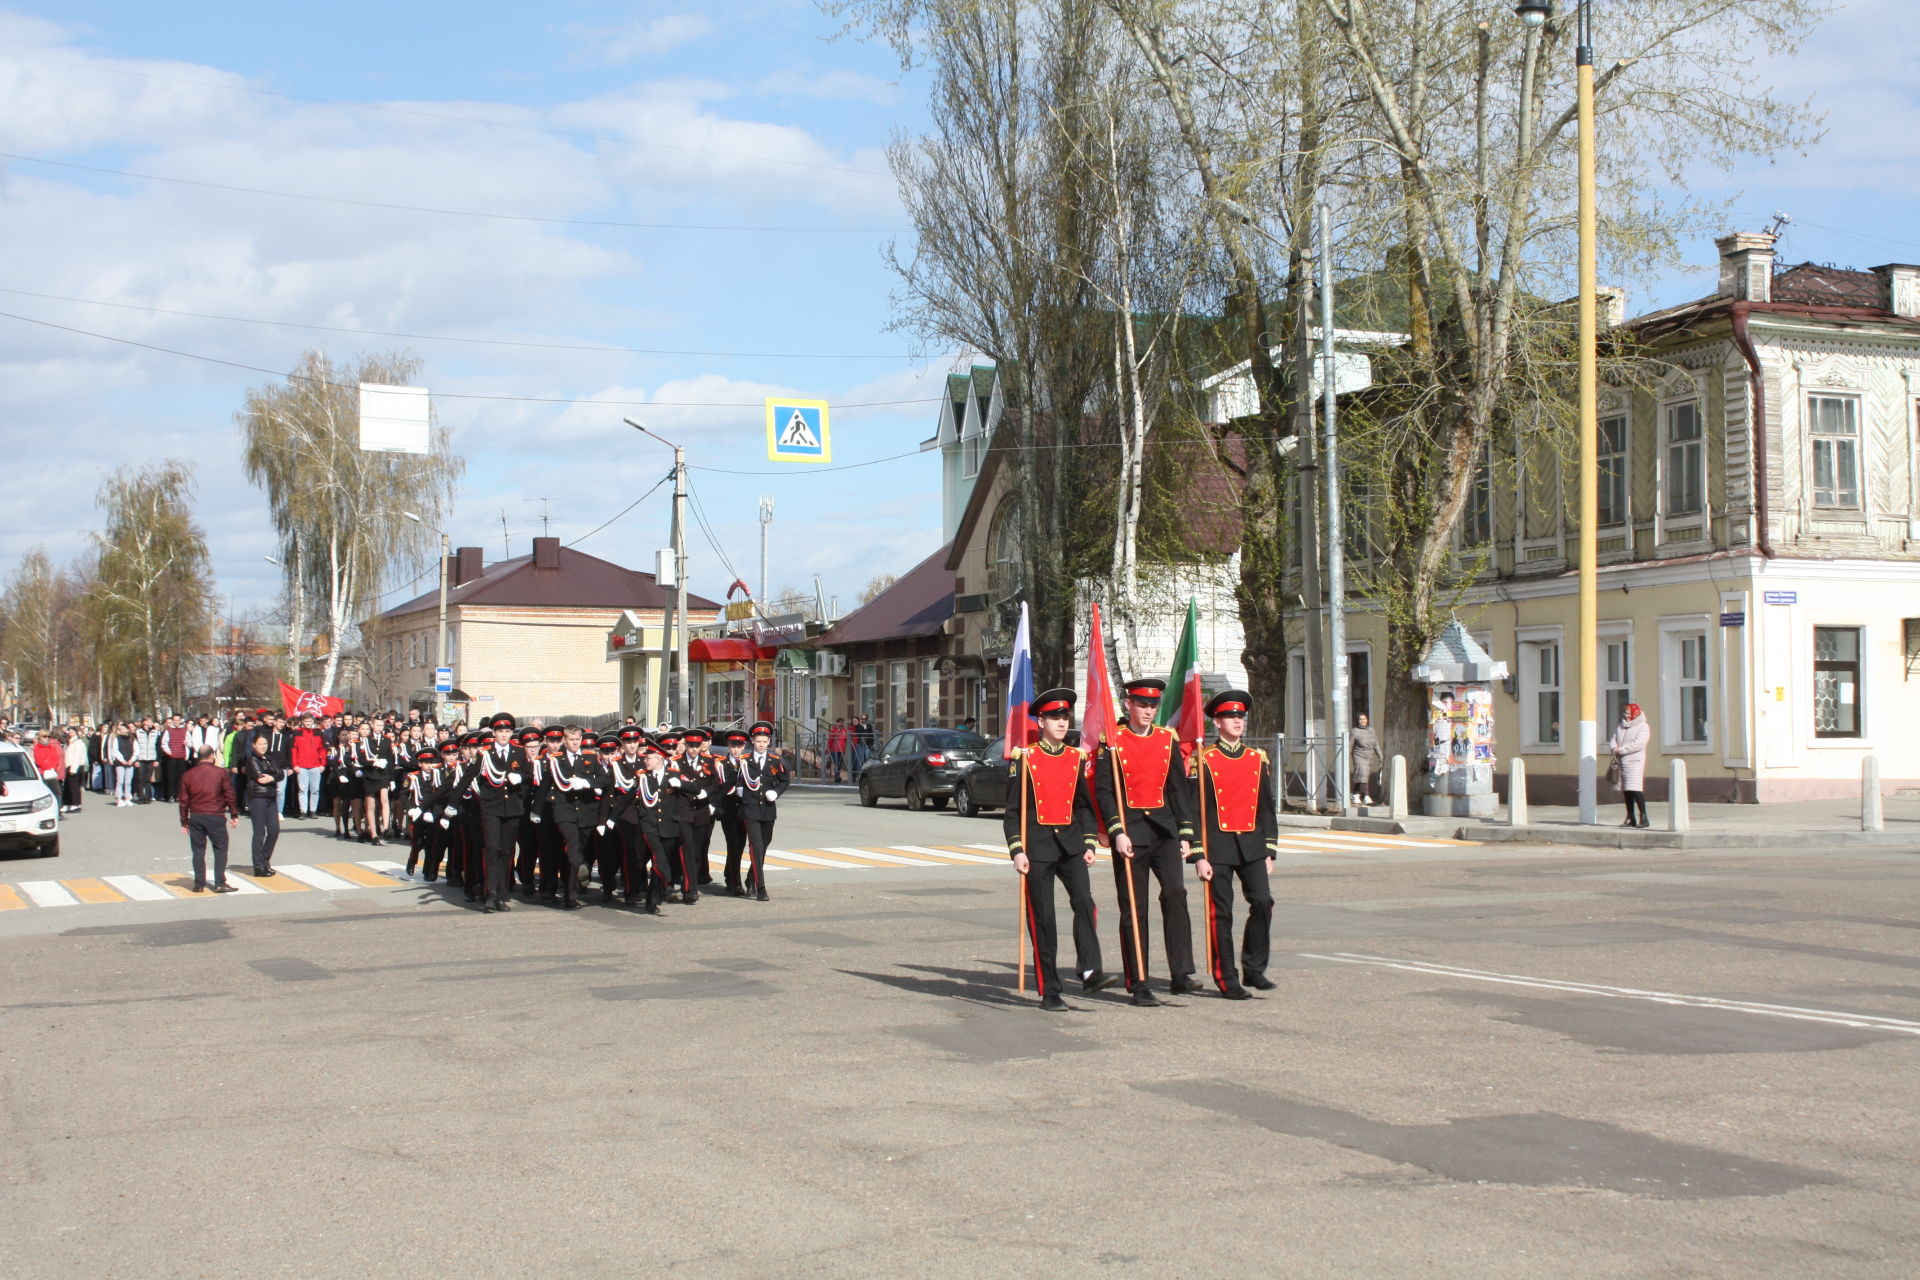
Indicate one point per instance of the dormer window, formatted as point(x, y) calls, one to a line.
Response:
point(971, 436)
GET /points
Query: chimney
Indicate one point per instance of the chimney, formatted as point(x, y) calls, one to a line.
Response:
point(1611, 308)
point(1900, 288)
point(467, 565)
point(546, 553)
point(1746, 266)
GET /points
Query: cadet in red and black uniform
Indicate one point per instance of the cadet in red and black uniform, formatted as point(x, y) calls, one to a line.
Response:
point(763, 776)
point(1238, 831)
point(526, 862)
point(575, 806)
point(690, 789)
point(1142, 789)
point(1051, 834)
point(500, 788)
point(632, 805)
point(731, 823)
point(697, 818)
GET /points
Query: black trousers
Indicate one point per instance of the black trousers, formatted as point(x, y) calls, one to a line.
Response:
point(1038, 883)
point(566, 854)
point(205, 829)
point(1161, 861)
point(170, 772)
point(639, 865)
point(76, 788)
point(526, 865)
point(497, 834)
point(1636, 805)
point(734, 827)
point(1254, 886)
point(264, 812)
point(698, 839)
point(423, 846)
point(759, 839)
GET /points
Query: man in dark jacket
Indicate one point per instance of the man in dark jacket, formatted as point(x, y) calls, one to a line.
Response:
point(206, 799)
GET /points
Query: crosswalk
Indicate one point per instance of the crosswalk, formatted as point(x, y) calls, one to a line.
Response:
point(336, 877)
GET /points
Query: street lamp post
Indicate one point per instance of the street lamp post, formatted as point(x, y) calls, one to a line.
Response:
point(439, 699)
point(1535, 13)
point(683, 694)
point(293, 639)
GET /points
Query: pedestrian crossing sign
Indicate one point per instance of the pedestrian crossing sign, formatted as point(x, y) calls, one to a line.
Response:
point(797, 431)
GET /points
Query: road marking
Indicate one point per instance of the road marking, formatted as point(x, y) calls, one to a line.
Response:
point(354, 873)
point(943, 852)
point(1344, 837)
point(139, 888)
point(396, 869)
point(814, 859)
point(315, 877)
point(10, 900)
point(274, 884)
point(178, 886)
point(900, 859)
point(1865, 1021)
point(1002, 860)
point(242, 884)
point(1291, 844)
point(1000, 848)
point(88, 889)
point(48, 893)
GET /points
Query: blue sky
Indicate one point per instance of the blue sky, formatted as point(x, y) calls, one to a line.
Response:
point(758, 117)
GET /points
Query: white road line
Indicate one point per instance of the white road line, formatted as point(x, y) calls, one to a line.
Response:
point(887, 857)
point(47, 893)
point(1346, 837)
point(1000, 849)
point(809, 860)
point(1293, 845)
point(138, 888)
point(1866, 1021)
point(243, 885)
point(315, 878)
point(386, 868)
point(952, 853)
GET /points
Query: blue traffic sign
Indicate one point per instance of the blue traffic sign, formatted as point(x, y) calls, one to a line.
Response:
point(797, 431)
point(443, 679)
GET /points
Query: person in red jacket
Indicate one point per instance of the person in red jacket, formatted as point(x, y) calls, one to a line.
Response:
point(49, 761)
point(309, 766)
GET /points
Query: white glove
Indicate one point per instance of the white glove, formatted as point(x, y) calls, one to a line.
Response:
point(379, 762)
point(673, 782)
point(602, 828)
point(534, 816)
point(713, 809)
point(772, 796)
point(413, 815)
point(514, 778)
point(576, 784)
point(443, 824)
point(452, 812)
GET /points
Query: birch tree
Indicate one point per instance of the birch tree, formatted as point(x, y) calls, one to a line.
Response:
point(151, 603)
point(338, 509)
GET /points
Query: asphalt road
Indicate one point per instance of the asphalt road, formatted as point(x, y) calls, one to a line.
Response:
point(1479, 1063)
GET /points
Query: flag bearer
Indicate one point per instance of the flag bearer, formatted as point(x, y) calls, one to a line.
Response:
point(1238, 833)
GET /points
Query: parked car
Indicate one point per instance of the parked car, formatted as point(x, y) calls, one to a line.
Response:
point(919, 765)
point(29, 809)
point(984, 785)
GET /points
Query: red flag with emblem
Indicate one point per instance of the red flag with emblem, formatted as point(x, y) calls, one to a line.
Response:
point(297, 703)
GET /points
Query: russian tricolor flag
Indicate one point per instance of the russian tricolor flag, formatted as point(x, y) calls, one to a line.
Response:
point(1021, 729)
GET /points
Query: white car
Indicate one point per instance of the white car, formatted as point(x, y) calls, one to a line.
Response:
point(29, 810)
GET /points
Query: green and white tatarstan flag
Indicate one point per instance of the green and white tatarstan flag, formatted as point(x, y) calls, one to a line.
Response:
point(1183, 705)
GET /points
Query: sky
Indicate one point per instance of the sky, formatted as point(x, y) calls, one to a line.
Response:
point(727, 115)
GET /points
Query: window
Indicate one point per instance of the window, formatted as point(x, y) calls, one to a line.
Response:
point(1540, 692)
point(1616, 672)
point(970, 445)
point(929, 691)
point(1686, 482)
point(900, 744)
point(1359, 682)
point(1477, 525)
point(869, 690)
point(1834, 423)
point(1613, 471)
point(1836, 682)
point(897, 678)
point(1689, 709)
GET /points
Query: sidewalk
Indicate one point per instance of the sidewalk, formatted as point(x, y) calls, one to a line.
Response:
point(1801, 824)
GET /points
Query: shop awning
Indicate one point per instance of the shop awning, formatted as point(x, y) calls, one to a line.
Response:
point(726, 649)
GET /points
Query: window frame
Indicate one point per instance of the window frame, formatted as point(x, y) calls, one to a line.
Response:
point(1531, 646)
point(899, 690)
point(929, 691)
point(1622, 477)
point(1621, 636)
point(1857, 666)
point(1479, 509)
point(1855, 438)
point(1675, 685)
point(867, 691)
point(1693, 448)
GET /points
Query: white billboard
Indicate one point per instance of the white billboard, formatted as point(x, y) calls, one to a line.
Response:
point(394, 419)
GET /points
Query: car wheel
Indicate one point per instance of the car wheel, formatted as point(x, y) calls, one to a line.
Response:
point(51, 849)
point(867, 797)
point(963, 801)
point(915, 801)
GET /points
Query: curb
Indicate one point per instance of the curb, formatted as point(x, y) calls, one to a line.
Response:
point(1685, 840)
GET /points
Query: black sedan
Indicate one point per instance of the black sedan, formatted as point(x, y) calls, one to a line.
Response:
point(919, 766)
point(984, 785)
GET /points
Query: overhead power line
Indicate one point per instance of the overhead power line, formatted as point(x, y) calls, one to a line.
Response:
point(443, 395)
point(446, 116)
point(442, 337)
point(451, 213)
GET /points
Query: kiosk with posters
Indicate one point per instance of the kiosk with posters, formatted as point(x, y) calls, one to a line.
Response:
point(1459, 676)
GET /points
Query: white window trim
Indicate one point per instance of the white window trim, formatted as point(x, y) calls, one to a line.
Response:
point(1525, 688)
point(1862, 509)
point(1661, 516)
point(1668, 657)
point(1864, 739)
point(1614, 629)
point(1626, 469)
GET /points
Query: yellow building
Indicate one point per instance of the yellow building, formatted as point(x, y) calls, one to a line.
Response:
point(1759, 546)
point(533, 635)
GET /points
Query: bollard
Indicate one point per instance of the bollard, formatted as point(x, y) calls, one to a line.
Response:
point(1678, 817)
point(1397, 787)
point(1517, 792)
point(1871, 817)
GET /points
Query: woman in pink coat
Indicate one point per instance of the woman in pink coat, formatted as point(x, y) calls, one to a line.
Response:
point(1629, 747)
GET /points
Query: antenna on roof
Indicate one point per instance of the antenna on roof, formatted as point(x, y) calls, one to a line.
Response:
point(506, 547)
point(1779, 224)
point(543, 512)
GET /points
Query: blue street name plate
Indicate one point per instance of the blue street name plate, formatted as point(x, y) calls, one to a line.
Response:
point(1781, 597)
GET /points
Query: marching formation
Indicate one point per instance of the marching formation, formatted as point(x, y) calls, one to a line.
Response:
point(1160, 812)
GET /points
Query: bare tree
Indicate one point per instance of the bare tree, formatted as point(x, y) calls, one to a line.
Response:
point(30, 630)
point(337, 508)
point(878, 583)
point(152, 599)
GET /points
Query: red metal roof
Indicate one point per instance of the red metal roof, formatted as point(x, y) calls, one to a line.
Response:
point(919, 604)
point(580, 581)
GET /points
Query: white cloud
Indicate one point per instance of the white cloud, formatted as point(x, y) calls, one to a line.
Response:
point(641, 38)
point(833, 84)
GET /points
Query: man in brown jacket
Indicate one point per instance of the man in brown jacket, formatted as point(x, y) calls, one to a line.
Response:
point(206, 798)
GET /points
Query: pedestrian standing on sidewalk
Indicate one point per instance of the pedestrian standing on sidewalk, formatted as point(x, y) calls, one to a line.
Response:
point(207, 813)
point(78, 765)
point(1629, 747)
point(1364, 758)
point(120, 760)
point(146, 760)
point(265, 776)
point(309, 758)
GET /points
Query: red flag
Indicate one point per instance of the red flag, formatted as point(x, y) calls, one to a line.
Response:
point(1096, 712)
point(297, 703)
